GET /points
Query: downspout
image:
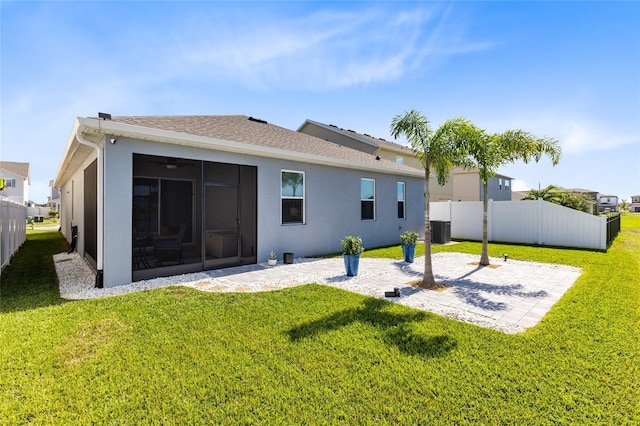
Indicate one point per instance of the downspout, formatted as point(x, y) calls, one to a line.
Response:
point(99, 208)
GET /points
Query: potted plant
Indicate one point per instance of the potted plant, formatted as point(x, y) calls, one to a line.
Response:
point(273, 259)
point(408, 240)
point(351, 249)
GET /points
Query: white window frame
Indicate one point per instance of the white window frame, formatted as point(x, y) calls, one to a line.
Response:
point(368, 200)
point(404, 199)
point(303, 197)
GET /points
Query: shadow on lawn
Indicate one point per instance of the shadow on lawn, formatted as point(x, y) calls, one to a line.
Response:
point(395, 328)
point(30, 280)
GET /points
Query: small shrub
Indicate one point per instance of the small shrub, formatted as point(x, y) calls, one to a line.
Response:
point(352, 245)
point(409, 238)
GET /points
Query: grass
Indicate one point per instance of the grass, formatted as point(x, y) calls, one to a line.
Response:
point(317, 355)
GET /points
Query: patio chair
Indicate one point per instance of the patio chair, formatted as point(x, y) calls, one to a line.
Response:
point(169, 249)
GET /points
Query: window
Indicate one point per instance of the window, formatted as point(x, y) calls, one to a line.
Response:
point(507, 184)
point(401, 209)
point(367, 199)
point(500, 182)
point(399, 159)
point(10, 183)
point(292, 196)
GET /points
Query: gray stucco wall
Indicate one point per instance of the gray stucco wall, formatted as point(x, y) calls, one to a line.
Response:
point(497, 191)
point(332, 204)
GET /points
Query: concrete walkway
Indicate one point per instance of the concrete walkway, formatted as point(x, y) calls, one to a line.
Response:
point(507, 296)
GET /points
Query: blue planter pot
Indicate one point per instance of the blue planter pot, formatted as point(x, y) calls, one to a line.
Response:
point(409, 253)
point(351, 264)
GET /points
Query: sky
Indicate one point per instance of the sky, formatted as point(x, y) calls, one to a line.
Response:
point(566, 70)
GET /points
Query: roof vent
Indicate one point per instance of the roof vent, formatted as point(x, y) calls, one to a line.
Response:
point(104, 116)
point(257, 120)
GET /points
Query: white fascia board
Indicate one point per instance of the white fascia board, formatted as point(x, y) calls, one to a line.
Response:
point(66, 155)
point(185, 139)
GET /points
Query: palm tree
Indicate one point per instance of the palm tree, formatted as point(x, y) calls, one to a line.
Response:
point(555, 194)
point(487, 152)
point(549, 193)
point(437, 152)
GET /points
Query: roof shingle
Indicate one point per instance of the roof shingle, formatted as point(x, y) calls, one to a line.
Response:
point(240, 128)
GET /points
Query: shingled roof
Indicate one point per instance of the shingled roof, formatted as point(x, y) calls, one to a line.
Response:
point(379, 142)
point(21, 169)
point(249, 130)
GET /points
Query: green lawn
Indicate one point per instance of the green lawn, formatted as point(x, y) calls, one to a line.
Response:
point(317, 355)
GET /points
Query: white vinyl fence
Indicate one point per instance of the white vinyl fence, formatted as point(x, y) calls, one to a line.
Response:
point(13, 229)
point(526, 222)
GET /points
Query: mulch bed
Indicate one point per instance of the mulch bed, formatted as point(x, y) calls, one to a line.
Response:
point(434, 287)
point(492, 266)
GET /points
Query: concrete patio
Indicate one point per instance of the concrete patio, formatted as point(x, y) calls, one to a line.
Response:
point(509, 296)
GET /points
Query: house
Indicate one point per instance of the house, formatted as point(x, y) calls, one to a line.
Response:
point(518, 195)
point(463, 186)
point(467, 186)
point(161, 195)
point(607, 203)
point(16, 181)
point(54, 198)
point(379, 147)
point(635, 204)
point(590, 197)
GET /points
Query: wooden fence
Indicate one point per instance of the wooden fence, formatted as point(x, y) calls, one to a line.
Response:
point(13, 229)
point(526, 222)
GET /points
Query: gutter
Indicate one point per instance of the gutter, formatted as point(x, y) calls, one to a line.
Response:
point(100, 207)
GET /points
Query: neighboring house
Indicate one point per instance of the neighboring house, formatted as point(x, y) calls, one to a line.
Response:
point(54, 198)
point(607, 203)
point(163, 195)
point(518, 195)
point(16, 181)
point(467, 186)
point(590, 196)
point(379, 147)
point(635, 204)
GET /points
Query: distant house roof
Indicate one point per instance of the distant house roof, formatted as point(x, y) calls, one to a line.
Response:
point(463, 170)
point(362, 137)
point(20, 169)
point(231, 133)
point(581, 190)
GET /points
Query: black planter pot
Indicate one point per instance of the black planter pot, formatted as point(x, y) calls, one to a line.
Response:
point(288, 258)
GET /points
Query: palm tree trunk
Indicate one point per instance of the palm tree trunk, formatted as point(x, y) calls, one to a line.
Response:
point(428, 269)
point(484, 257)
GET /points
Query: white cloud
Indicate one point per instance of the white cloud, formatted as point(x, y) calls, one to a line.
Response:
point(324, 50)
point(576, 130)
point(519, 185)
